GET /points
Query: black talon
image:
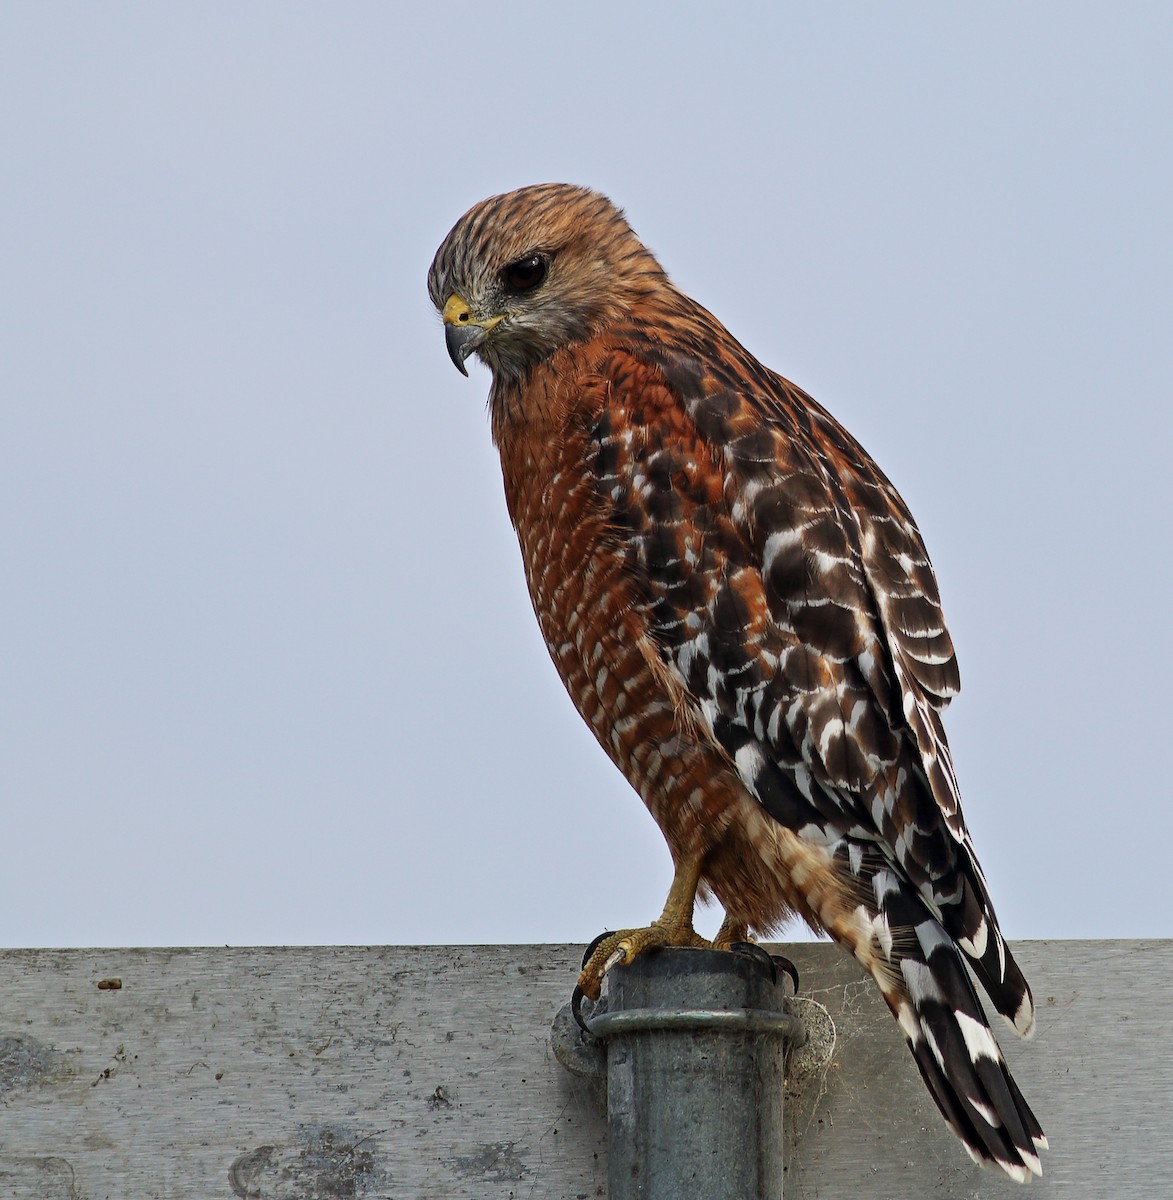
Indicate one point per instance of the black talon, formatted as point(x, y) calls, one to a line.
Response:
point(753, 950)
point(591, 948)
point(576, 999)
point(788, 967)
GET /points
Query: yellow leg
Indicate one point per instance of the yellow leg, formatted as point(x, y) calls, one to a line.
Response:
point(731, 931)
point(672, 928)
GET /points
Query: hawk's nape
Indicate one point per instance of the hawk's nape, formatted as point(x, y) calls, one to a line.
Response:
point(743, 611)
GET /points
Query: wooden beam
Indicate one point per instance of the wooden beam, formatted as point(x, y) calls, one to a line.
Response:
point(419, 1072)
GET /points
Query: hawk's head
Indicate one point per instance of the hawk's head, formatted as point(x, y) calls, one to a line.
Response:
point(523, 274)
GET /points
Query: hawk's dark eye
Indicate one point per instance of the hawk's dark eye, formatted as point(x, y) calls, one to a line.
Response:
point(525, 274)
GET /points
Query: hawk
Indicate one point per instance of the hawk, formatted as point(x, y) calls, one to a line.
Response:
point(743, 611)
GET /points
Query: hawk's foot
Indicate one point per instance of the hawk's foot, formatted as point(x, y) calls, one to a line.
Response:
point(734, 935)
point(731, 933)
point(626, 945)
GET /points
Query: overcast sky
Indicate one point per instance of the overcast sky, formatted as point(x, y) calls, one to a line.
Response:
point(268, 669)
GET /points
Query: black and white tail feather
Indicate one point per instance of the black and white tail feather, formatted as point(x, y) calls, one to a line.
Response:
point(923, 977)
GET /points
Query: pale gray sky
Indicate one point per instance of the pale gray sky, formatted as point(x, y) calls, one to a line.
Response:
point(268, 671)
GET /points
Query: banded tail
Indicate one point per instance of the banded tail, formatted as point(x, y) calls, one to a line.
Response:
point(923, 977)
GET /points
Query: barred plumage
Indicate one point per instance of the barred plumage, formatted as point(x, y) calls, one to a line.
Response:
point(742, 608)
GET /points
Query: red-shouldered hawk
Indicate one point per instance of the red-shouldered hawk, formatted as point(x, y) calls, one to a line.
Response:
point(743, 611)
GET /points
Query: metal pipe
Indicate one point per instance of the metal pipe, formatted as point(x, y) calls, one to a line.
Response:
point(695, 1045)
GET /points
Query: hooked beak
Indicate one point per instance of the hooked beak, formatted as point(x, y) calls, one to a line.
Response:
point(463, 333)
point(461, 341)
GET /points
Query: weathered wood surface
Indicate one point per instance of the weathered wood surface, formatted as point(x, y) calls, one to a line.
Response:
point(405, 1072)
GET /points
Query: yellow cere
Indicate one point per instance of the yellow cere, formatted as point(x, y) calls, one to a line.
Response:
point(457, 312)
